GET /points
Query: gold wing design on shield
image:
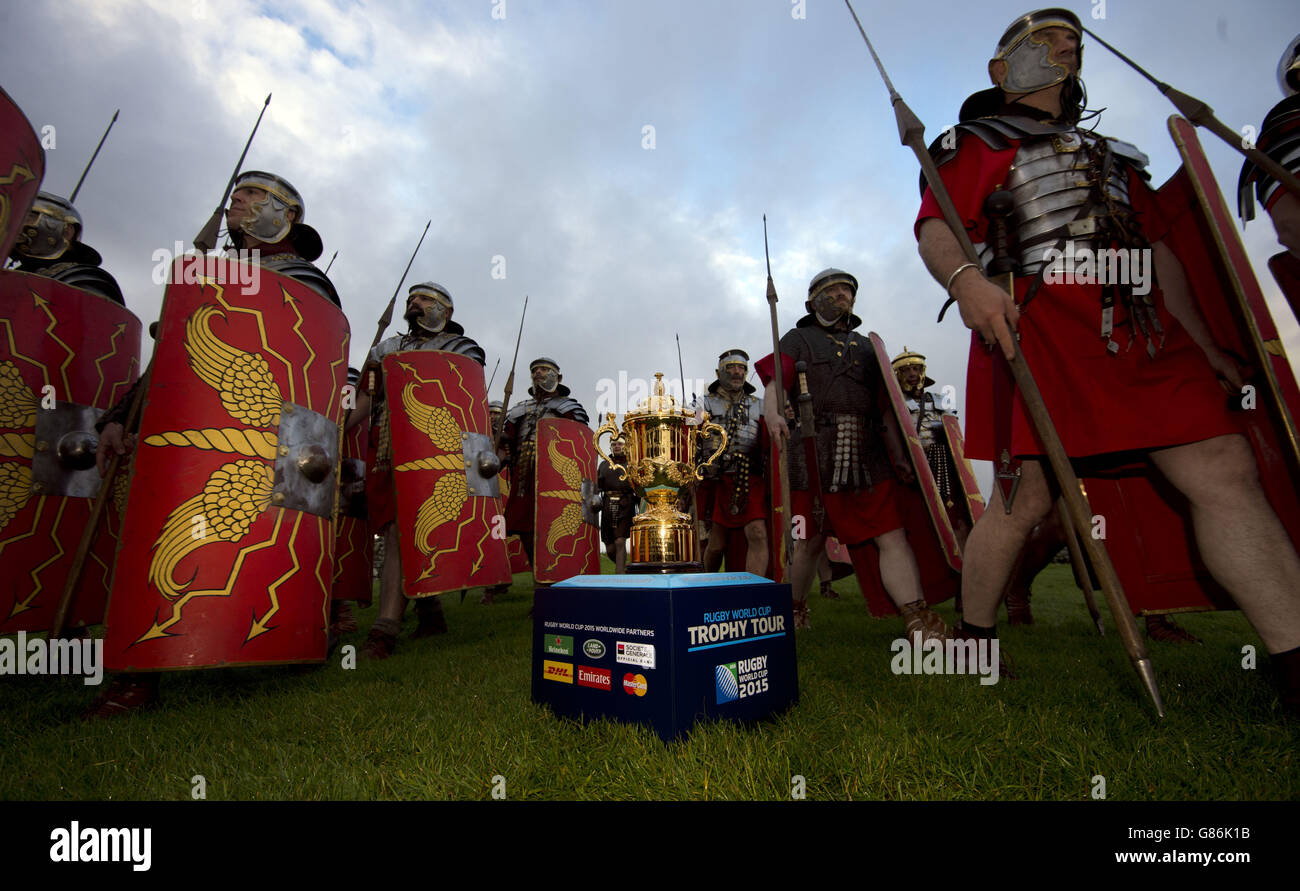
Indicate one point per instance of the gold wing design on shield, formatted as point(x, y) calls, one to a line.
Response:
point(238, 492)
point(447, 500)
point(570, 519)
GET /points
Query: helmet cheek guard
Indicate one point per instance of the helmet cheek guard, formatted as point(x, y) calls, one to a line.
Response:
point(1028, 55)
point(270, 220)
point(47, 238)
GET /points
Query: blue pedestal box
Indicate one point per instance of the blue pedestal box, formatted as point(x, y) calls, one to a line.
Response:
point(664, 650)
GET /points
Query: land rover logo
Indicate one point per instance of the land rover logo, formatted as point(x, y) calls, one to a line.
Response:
point(594, 649)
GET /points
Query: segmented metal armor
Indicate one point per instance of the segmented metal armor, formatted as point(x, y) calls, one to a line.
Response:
point(928, 419)
point(1279, 137)
point(1070, 196)
point(843, 379)
point(743, 458)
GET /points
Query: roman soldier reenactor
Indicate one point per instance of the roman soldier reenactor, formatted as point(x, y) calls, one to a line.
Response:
point(550, 399)
point(1279, 138)
point(51, 245)
point(265, 214)
point(429, 308)
point(739, 496)
point(617, 504)
point(927, 416)
point(853, 491)
point(1121, 369)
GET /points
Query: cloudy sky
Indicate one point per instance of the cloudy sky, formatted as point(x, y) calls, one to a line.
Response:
point(618, 154)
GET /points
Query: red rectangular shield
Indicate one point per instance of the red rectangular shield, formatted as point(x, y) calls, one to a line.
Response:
point(22, 167)
point(66, 356)
point(1149, 535)
point(227, 552)
point(567, 537)
point(450, 522)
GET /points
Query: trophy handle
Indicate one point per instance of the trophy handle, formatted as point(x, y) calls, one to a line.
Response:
point(611, 428)
point(703, 430)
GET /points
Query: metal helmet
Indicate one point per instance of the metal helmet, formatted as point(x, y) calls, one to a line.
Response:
point(909, 359)
point(552, 377)
point(1029, 66)
point(828, 277)
point(432, 318)
point(269, 221)
point(47, 238)
point(1288, 69)
point(734, 356)
point(820, 282)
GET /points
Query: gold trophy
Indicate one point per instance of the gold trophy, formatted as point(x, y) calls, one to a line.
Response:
point(661, 463)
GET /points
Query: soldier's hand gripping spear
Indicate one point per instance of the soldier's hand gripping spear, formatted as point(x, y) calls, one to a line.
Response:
point(510, 381)
point(912, 134)
point(206, 240)
point(781, 475)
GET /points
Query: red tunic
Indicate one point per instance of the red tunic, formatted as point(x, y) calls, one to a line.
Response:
point(1099, 402)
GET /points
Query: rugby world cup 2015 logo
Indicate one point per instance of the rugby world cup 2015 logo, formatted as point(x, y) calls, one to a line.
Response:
point(727, 682)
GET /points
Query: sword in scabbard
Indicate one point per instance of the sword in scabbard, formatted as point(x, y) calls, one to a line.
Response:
point(1202, 115)
point(510, 381)
point(781, 474)
point(206, 240)
point(94, 155)
point(808, 434)
point(912, 134)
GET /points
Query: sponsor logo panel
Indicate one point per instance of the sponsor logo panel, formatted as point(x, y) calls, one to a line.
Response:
point(641, 655)
point(557, 671)
point(596, 678)
point(559, 645)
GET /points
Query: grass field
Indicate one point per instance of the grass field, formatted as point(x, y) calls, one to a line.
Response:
point(446, 715)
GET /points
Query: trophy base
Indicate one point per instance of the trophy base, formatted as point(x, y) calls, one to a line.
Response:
point(663, 568)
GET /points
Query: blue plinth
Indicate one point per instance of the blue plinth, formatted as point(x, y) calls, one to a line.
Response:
point(665, 650)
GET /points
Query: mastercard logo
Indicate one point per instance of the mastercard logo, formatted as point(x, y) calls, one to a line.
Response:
point(634, 684)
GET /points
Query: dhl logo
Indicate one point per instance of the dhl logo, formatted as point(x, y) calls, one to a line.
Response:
point(557, 671)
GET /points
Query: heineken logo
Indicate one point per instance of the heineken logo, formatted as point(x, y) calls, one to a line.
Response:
point(559, 645)
point(594, 649)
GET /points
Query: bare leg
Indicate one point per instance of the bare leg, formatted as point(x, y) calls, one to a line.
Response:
point(620, 555)
point(716, 548)
point(995, 544)
point(392, 602)
point(1240, 538)
point(756, 558)
point(898, 571)
point(804, 565)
